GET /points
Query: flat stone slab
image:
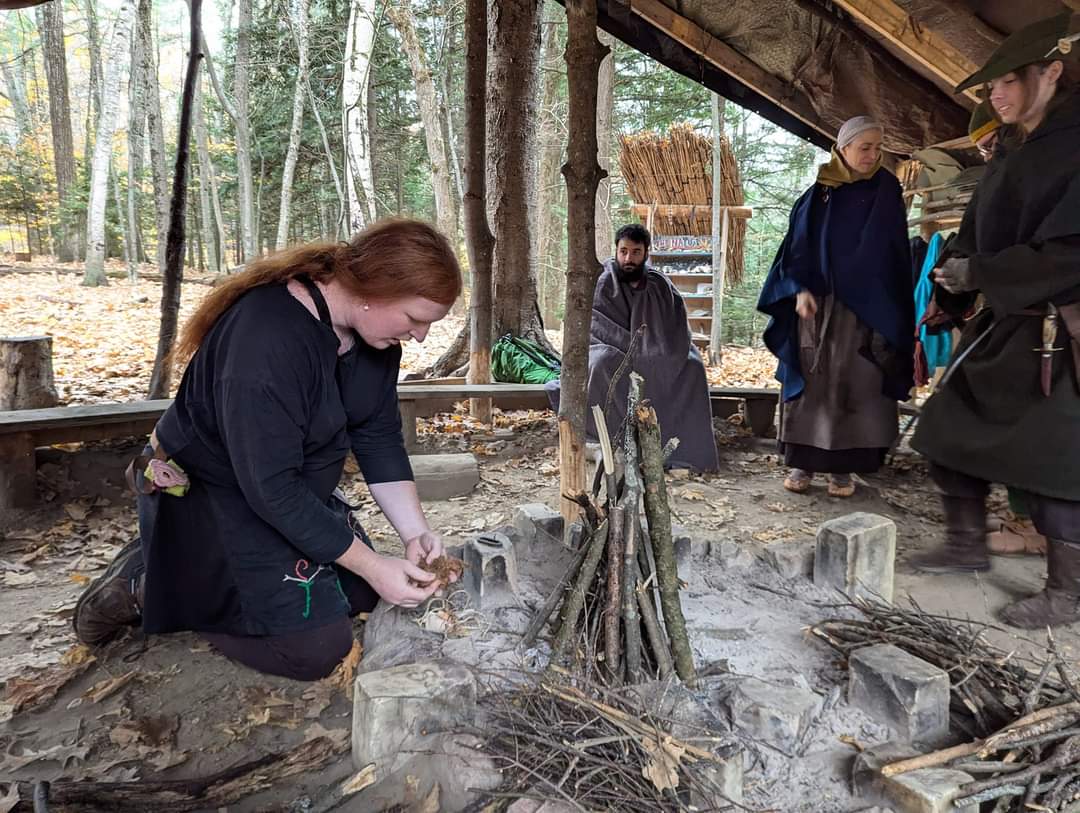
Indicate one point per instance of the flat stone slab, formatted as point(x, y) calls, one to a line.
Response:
point(791, 559)
point(901, 691)
point(929, 790)
point(855, 554)
point(398, 710)
point(442, 476)
point(537, 522)
point(779, 715)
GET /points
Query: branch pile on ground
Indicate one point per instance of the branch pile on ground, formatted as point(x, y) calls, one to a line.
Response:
point(1023, 711)
point(618, 587)
point(601, 750)
point(677, 168)
point(991, 688)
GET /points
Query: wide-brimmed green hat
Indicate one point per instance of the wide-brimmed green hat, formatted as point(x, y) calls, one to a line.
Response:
point(1052, 38)
point(982, 122)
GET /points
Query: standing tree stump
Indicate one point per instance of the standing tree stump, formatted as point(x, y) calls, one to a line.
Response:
point(26, 373)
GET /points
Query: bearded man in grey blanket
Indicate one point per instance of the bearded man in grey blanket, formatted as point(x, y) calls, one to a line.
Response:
point(630, 294)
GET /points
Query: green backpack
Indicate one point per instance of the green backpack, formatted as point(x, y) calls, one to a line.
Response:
point(520, 361)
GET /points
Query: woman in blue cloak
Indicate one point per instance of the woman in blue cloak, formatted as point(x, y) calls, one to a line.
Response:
point(840, 298)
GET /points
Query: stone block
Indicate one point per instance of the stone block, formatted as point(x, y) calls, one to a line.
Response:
point(730, 554)
point(902, 691)
point(400, 709)
point(792, 560)
point(491, 575)
point(855, 555)
point(536, 522)
point(929, 790)
point(779, 715)
point(866, 779)
point(392, 637)
point(442, 476)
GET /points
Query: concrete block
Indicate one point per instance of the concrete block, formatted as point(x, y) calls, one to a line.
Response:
point(855, 554)
point(730, 554)
point(491, 575)
point(930, 790)
point(779, 715)
point(402, 708)
point(792, 560)
point(902, 691)
point(866, 779)
point(442, 476)
point(536, 522)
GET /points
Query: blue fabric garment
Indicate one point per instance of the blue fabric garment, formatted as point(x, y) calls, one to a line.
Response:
point(852, 242)
point(937, 347)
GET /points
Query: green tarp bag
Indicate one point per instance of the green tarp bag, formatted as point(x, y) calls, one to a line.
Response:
point(520, 361)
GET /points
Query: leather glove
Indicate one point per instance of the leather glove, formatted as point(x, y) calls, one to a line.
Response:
point(955, 275)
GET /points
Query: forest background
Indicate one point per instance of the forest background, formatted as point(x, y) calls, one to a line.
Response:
point(312, 118)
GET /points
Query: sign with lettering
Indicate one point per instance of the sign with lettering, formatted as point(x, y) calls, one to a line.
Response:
point(682, 244)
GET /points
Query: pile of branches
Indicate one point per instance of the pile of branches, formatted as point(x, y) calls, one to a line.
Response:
point(1024, 712)
point(599, 751)
point(991, 688)
point(608, 624)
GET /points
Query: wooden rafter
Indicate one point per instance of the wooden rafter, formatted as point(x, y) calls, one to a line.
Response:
point(727, 59)
point(930, 50)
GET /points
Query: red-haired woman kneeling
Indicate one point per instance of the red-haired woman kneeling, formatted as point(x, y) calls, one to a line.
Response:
point(292, 363)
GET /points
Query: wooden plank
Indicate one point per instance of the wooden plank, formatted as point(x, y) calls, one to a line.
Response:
point(30, 420)
point(923, 45)
point(421, 392)
point(730, 61)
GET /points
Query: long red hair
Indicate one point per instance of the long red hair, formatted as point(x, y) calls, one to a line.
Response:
point(392, 259)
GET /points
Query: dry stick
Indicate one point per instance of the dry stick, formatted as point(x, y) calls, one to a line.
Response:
point(541, 617)
point(632, 529)
point(656, 635)
point(1033, 724)
point(1066, 754)
point(576, 600)
point(659, 516)
point(612, 643)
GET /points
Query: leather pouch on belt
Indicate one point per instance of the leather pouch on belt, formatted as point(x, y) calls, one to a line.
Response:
point(1070, 315)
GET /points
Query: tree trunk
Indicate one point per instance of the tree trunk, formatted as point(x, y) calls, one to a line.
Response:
point(118, 201)
point(427, 100)
point(605, 106)
point(356, 82)
point(136, 151)
point(298, 12)
point(552, 137)
point(246, 202)
point(514, 38)
point(340, 226)
point(51, 24)
point(174, 255)
point(99, 175)
point(210, 213)
point(26, 373)
point(478, 239)
point(155, 129)
point(584, 53)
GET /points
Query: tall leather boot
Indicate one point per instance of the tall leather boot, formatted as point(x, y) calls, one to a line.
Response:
point(1059, 602)
point(964, 550)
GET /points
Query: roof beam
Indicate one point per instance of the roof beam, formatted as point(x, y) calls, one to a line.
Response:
point(930, 50)
point(727, 59)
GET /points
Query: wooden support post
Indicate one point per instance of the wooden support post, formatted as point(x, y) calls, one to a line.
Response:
point(760, 415)
point(716, 350)
point(17, 472)
point(408, 423)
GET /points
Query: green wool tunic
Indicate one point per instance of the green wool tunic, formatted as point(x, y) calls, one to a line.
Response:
point(1021, 232)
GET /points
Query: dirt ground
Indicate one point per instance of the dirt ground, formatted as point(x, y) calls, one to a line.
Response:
point(168, 707)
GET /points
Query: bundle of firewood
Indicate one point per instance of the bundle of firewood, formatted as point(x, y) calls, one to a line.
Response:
point(620, 585)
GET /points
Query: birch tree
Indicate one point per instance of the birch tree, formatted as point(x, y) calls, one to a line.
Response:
point(99, 175)
point(427, 101)
point(298, 18)
point(605, 105)
point(241, 118)
point(356, 82)
point(209, 212)
point(50, 19)
point(151, 94)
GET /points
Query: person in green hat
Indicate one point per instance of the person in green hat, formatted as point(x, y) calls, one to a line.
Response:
point(983, 129)
point(1003, 413)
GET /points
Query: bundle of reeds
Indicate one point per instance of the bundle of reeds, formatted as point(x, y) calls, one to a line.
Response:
point(677, 168)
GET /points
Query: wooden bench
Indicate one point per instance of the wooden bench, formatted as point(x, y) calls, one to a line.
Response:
point(22, 431)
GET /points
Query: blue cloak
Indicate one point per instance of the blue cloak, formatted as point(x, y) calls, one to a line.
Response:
point(850, 241)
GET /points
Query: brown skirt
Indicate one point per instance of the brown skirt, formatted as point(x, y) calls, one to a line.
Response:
point(842, 422)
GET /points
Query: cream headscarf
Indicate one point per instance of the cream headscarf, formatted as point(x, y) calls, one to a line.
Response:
point(837, 172)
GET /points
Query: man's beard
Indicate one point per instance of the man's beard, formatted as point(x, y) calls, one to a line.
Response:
point(629, 273)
